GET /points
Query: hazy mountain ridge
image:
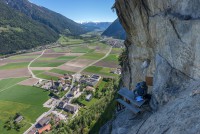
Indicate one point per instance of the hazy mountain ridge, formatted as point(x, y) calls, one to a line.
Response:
point(97, 25)
point(115, 30)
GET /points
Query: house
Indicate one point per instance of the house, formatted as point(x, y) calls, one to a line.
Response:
point(77, 77)
point(71, 108)
point(44, 121)
point(45, 128)
point(116, 71)
point(75, 90)
point(61, 104)
point(89, 88)
point(96, 77)
point(88, 97)
point(19, 119)
point(65, 87)
point(92, 82)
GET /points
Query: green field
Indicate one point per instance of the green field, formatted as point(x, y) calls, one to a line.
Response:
point(59, 71)
point(5, 83)
point(63, 40)
point(47, 64)
point(14, 66)
point(25, 100)
point(48, 77)
point(89, 103)
point(36, 72)
point(116, 51)
point(60, 49)
point(112, 58)
point(92, 56)
point(19, 57)
point(79, 49)
point(45, 59)
point(66, 58)
point(100, 70)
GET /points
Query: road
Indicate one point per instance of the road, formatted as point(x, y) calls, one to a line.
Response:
point(32, 74)
point(72, 84)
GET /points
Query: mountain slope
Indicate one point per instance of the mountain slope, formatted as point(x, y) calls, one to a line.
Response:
point(56, 21)
point(24, 25)
point(115, 30)
point(18, 32)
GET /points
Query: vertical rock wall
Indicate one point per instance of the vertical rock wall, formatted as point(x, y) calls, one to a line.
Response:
point(168, 30)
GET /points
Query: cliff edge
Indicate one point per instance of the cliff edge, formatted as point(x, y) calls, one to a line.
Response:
point(166, 33)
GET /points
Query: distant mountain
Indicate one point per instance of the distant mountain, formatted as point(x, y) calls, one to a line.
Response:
point(115, 30)
point(97, 25)
point(24, 25)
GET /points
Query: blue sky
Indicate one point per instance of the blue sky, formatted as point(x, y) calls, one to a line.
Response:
point(81, 10)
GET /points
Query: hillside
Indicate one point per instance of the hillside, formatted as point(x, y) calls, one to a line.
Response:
point(24, 25)
point(166, 33)
point(20, 32)
point(55, 21)
point(115, 30)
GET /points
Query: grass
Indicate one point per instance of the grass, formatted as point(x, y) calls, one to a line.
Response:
point(92, 56)
point(36, 72)
point(100, 70)
point(45, 59)
point(60, 49)
point(101, 85)
point(25, 100)
point(89, 103)
point(116, 51)
point(47, 64)
point(19, 57)
point(66, 58)
point(59, 71)
point(48, 77)
point(80, 49)
point(5, 83)
point(63, 40)
point(14, 66)
point(112, 58)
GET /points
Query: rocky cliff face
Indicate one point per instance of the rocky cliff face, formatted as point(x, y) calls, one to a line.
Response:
point(166, 32)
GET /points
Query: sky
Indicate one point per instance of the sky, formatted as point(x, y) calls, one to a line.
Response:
point(81, 10)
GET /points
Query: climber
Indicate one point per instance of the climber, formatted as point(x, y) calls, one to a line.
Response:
point(141, 90)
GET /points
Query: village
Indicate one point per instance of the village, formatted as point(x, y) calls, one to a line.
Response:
point(64, 94)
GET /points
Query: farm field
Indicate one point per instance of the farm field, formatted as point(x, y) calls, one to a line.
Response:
point(63, 40)
point(79, 49)
point(46, 64)
point(111, 58)
point(59, 71)
point(92, 56)
point(100, 70)
point(25, 100)
point(5, 83)
point(14, 66)
point(47, 77)
point(37, 72)
point(66, 58)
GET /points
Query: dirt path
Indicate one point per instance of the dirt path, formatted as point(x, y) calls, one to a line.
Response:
point(29, 69)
